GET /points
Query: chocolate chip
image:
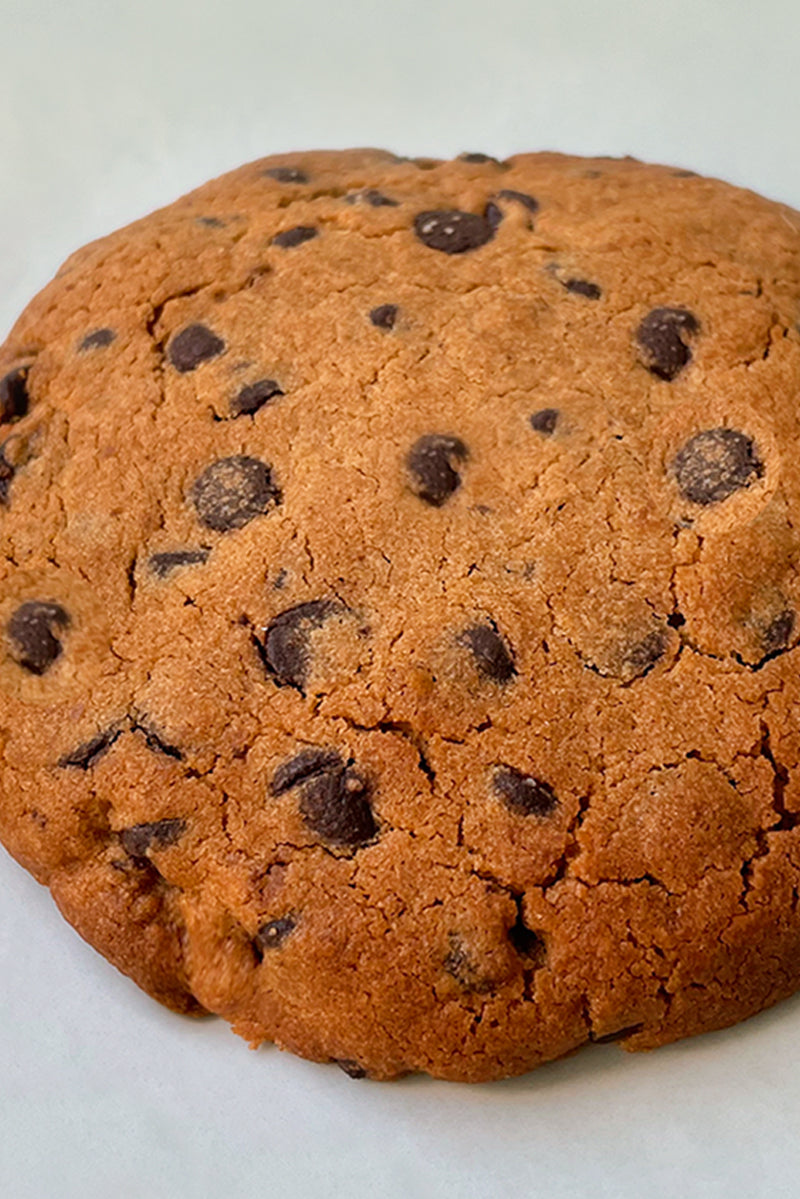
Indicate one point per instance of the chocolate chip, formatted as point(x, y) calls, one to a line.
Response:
point(368, 195)
point(91, 751)
point(287, 174)
point(6, 475)
point(158, 835)
point(255, 396)
point(522, 793)
point(522, 198)
point(233, 491)
point(493, 214)
point(493, 657)
point(165, 562)
point(294, 237)
point(430, 462)
point(384, 316)
point(335, 805)
point(303, 766)
point(193, 345)
point(479, 159)
point(715, 463)
point(662, 338)
point(273, 934)
point(452, 231)
point(211, 222)
point(776, 635)
point(643, 655)
point(30, 631)
point(350, 1067)
point(582, 287)
point(14, 398)
point(544, 421)
point(460, 965)
point(285, 646)
point(97, 340)
point(157, 744)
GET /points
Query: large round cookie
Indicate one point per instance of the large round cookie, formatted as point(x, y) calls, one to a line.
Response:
point(399, 605)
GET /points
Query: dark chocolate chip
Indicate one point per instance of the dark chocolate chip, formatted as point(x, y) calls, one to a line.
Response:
point(255, 396)
point(294, 237)
point(34, 645)
point(158, 835)
point(285, 645)
point(91, 751)
point(165, 562)
point(642, 656)
point(233, 491)
point(14, 398)
point(97, 340)
point(192, 346)
point(777, 634)
point(493, 214)
point(582, 287)
point(452, 231)
point(479, 159)
point(350, 1067)
point(522, 793)
point(663, 340)
point(157, 744)
point(273, 934)
point(716, 463)
point(368, 195)
point(493, 658)
point(522, 198)
point(303, 766)
point(544, 421)
point(430, 462)
point(287, 174)
point(335, 805)
point(384, 316)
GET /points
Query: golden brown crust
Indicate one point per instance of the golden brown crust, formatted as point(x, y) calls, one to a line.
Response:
point(399, 597)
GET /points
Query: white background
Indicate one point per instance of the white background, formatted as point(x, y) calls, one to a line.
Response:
point(108, 109)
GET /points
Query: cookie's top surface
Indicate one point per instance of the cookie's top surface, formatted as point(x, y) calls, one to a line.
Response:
point(399, 599)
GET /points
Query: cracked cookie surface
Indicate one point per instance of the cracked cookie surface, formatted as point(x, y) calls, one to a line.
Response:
point(399, 600)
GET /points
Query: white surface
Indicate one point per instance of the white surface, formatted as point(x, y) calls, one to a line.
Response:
point(108, 109)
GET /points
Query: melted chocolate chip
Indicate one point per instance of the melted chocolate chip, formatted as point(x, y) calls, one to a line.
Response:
point(158, 835)
point(493, 658)
point(368, 195)
point(493, 214)
point(287, 174)
point(522, 198)
point(34, 645)
point(544, 421)
point(452, 231)
point(480, 159)
point(642, 656)
point(350, 1067)
point(303, 766)
point(294, 237)
point(97, 340)
point(233, 491)
point(192, 346)
point(778, 632)
point(522, 793)
point(430, 462)
point(285, 649)
point(384, 316)
point(157, 744)
point(663, 340)
point(335, 805)
point(582, 287)
point(165, 562)
point(716, 463)
point(273, 934)
point(91, 751)
point(254, 396)
point(14, 398)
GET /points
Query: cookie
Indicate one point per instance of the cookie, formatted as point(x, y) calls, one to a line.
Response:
point(399, 605)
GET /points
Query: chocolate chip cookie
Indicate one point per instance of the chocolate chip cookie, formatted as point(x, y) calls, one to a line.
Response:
point(399, 605)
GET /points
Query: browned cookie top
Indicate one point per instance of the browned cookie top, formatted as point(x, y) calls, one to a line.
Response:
point(399, 598)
